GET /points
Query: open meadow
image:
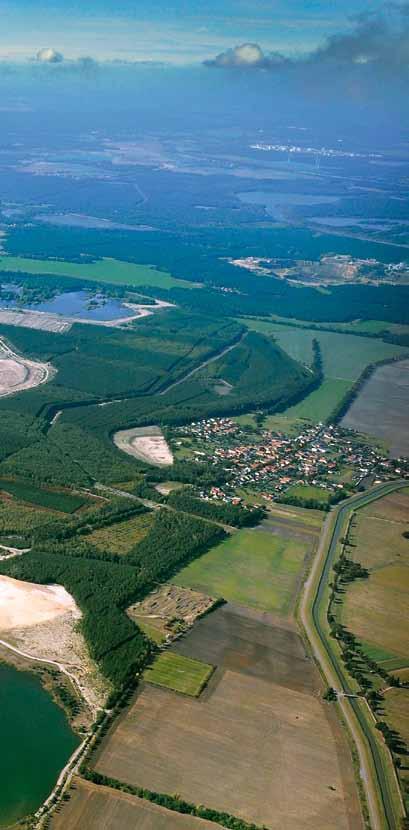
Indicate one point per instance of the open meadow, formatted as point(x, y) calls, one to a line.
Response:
point(261, 568)
point(255, 568)
point(105, 270)
point(344, 358)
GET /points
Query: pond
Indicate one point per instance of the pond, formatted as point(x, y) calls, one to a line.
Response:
point(36, 742)
point(381, 408)
point(80, 304)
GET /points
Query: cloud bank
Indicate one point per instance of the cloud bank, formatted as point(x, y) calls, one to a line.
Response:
point(379, 40)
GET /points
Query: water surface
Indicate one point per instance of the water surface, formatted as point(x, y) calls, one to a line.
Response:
point(77, 304)
point(36, 743)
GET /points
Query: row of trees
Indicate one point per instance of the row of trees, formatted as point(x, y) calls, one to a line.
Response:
point(223, 512)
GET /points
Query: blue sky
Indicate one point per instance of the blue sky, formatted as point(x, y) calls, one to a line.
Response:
point(178, 31)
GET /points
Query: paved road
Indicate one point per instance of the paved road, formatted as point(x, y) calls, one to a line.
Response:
point(381, 802)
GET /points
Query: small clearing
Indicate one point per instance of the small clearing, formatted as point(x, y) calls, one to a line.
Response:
point(146, 443)
point(170, 610)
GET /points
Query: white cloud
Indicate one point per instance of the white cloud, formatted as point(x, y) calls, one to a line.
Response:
point(247, 55)
point(49, 55)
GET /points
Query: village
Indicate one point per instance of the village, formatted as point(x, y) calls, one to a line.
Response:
point(318, 464)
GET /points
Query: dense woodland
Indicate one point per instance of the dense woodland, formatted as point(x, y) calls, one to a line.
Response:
point(104, 586)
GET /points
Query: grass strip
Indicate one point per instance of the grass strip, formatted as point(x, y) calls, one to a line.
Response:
point(182, 674)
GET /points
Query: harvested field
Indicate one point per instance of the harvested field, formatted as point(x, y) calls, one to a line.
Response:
point(235, 638)
point(169, 608)
point(374, 608)
point(146, 443)
point(18, 373)
point(394, 507)
point(179, 673)
point(243, 745)
point(122, 536)
point(252, 567)
point(100, 808)
point(396, 707)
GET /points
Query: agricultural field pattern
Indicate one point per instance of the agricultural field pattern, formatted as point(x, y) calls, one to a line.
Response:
point(204, 445)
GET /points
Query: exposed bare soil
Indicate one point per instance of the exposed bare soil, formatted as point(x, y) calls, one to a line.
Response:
point(18, 373)
point(146, 443)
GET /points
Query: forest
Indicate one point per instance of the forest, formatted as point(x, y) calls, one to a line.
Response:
point(104, 587)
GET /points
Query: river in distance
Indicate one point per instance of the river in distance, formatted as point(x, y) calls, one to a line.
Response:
point(36, 742)
point(382, 406)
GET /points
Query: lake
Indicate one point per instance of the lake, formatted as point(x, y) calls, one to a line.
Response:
point(381, 408)
point(36, 743)
point(77, 304)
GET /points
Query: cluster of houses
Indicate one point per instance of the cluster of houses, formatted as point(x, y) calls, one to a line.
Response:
point(269, 463)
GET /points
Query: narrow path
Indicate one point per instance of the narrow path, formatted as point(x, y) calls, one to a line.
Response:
point(154, 505)
point(381, 802)
point(209, 360)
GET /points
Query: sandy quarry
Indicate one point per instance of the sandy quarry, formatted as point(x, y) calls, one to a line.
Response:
point(40, 621)
point(18, 373)
point(146, 443)
point(23, 603)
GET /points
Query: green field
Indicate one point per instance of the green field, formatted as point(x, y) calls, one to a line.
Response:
point(344, 356)
point(54, 500)
point(307, 491)
point(105, 270)
point(319, 405)
point(252, 568)
point(182, 674)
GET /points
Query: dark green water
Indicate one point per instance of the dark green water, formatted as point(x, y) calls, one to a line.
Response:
point(36, 742)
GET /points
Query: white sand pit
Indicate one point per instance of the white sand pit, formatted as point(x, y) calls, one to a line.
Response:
point(17, 373)
point(23, 603)
point(146, 443)
point(12, 374)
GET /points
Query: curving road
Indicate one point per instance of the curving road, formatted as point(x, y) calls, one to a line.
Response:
point(377, 773)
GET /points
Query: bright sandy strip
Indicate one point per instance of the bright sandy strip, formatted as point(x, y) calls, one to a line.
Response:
point(150, 447)
point(24, 603)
